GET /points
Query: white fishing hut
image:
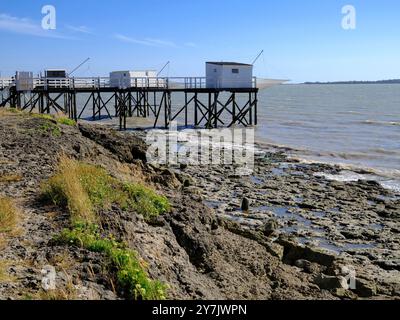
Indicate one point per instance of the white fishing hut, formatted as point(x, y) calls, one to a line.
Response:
point(229, 75)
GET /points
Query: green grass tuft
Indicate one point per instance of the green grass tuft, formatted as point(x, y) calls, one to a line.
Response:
point(145, 201)
point(13, 110)
point(42, 116)
point(59, 118)
point(85, 188)
point(102, 189)
point(66, 121)
point(130, 272)
point(50, 128)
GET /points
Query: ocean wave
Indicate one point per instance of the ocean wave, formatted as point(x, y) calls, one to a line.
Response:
point(334, 158)
point(391, 185)
point(343, 176)
point(384, 151)
point(380, 123)
point(369, 154)
point(350, 176)
point(297, 124)
point(337, 156)
point(351, 112)
point(389, 178)
point(386, 173)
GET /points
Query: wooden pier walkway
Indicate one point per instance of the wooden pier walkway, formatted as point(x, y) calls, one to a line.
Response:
point(145, 97)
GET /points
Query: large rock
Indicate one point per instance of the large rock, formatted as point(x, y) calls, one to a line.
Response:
point(128, 148)
point(270, 227)
point(331, 282)
point(245, 204)
point(365, 288)
point(274, 249)
point(167, 178)
point(308, 266)
point(295, 251)
point(389, 264)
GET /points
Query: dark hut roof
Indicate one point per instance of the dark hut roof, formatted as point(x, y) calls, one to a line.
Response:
point(222, 63)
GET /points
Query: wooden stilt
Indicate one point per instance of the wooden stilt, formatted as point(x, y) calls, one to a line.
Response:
point(210, 108)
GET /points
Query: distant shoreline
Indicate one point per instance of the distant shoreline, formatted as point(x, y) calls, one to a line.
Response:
point(393, 81)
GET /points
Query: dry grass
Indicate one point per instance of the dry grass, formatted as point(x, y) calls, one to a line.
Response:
point(57, 295)
point(132, 173)
point(66, 292)
point(8, 215)
point(85, 189)
point(3, 242)
point(63, 261)
point(3, 271)
point(4, 161)
point(6, 112)
point(67, 182)
point(69, 292)
point(4, 276)
point(9, 178)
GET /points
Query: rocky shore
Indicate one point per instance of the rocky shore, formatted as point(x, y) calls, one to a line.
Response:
point(355, 223)
point(303, 237)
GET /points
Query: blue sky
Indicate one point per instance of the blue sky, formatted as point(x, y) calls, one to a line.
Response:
point(303, 40)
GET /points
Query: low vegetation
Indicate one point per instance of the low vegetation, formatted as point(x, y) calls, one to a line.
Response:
point(66, 189)
point(145, 201)
point(69, 292)
point(66, 121)
point(85, 190)
point(8, 223)
point(51, 125)
point(3, 273)
point(4, 276)
point(9, 178)
point(8, 215)
point(42, 116)
point(130, 271)
point(59, 118)
point(8, 111)
point(13, 110)
point(50, 128)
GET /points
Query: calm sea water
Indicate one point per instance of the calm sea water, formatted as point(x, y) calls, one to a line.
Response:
point(357, 126)
point(353, 125)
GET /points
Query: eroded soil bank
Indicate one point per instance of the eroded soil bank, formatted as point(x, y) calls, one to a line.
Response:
point(205, 248)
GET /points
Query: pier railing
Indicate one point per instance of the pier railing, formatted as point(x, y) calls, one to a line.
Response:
point(106, 82)
point(6, 82)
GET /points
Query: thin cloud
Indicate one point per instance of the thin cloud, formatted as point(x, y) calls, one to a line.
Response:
point(126, 39)
point(25, 26)
point(190, 44)
point(80, 29)
point(146, 42)
point(162, 43)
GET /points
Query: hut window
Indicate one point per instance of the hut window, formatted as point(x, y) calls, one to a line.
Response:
point(235, 70)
